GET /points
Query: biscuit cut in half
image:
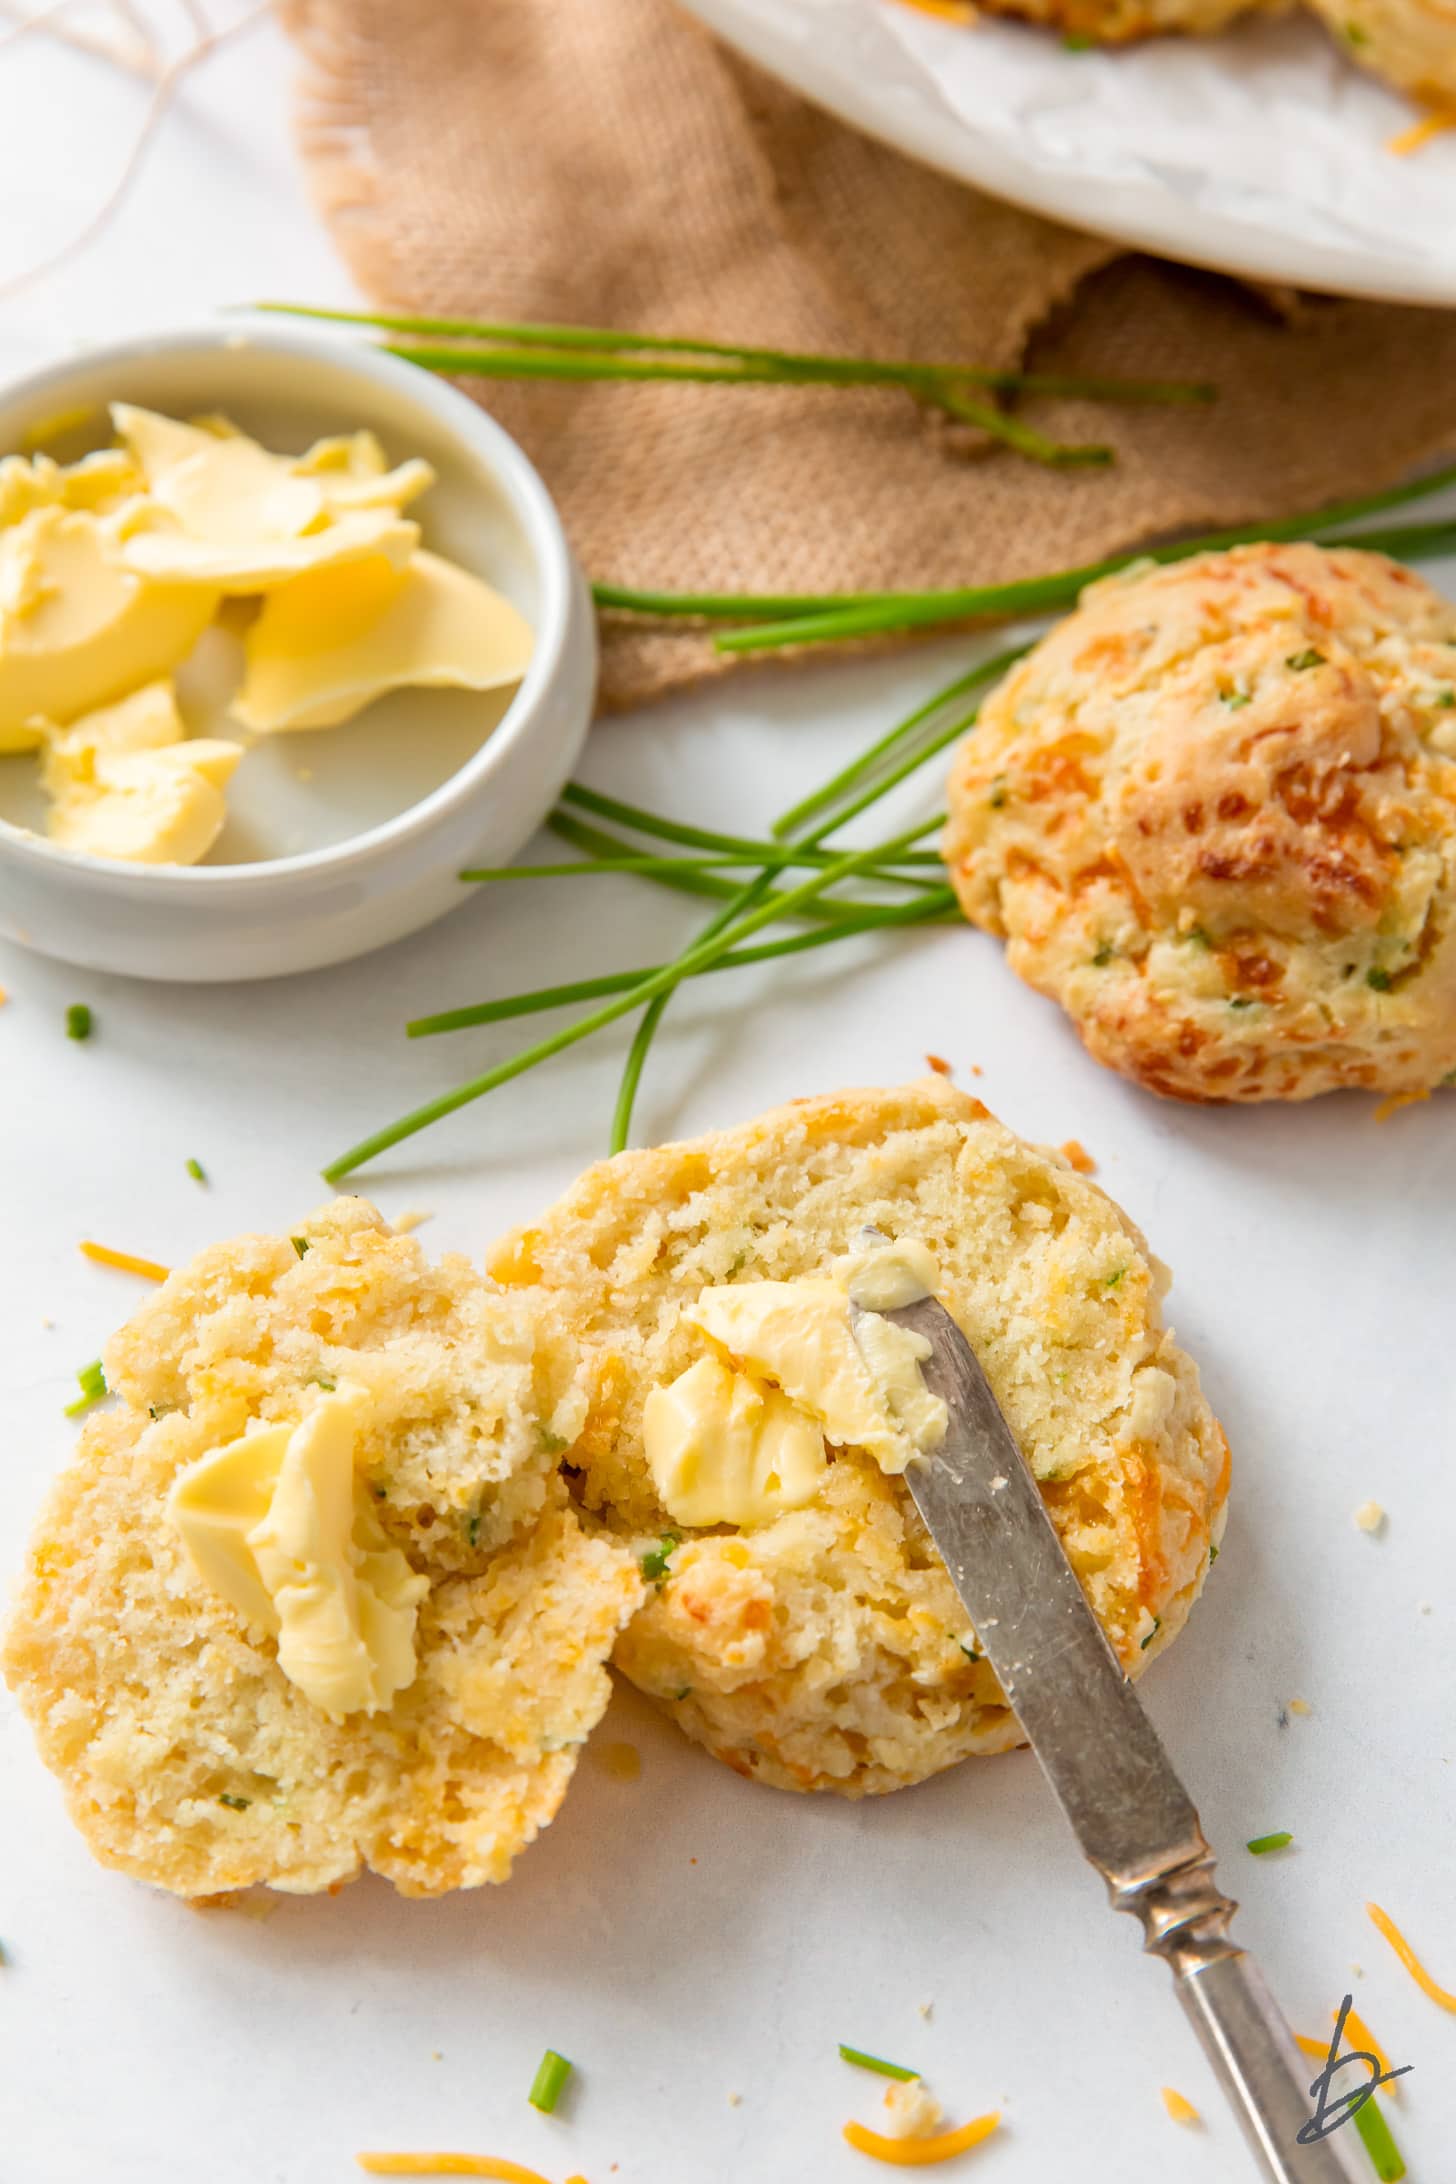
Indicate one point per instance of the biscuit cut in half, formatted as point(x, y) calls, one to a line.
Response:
point(825, 1649)
point(187, 1756)
point(1213, 814)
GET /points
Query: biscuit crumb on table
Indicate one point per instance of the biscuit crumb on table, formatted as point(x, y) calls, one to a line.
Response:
point(1370, 1517)
point(1078, 1157)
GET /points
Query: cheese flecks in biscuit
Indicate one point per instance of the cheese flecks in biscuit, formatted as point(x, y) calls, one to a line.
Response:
point(823, 1646)
point(1213, 814)
point(407, 1543)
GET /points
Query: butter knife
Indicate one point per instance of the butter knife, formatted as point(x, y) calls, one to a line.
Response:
point(1131, 1815)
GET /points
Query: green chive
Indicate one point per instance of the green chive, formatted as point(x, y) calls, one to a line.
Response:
point(1111, 1280)
point(300, 1245)
point(1103, 956)
point(472, 1529)
point(1144, 1643)
point(1375, 2136)
point(592, 989)
point(1379, 979)
point(1242, 1001)
point(322, 1380)
point(551, 2076)
point(1308, 658)
point(78, 1021)
point(1212, 1553)
point(1445, 699)
point(969, 1651)
point(553, 1443)
point(234, 1804)
point(1280, 1840)
point(1076, 42)
point(792, 363)
point(197, 1172)
point(1234, 699)
point(861, 2061)
point(654, 1563)
point(92, 1382)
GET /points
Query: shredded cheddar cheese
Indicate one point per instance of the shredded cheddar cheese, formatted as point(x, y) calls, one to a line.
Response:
point(1416, 138)
point(1077, 1156)
point(1385, 1924)
point(125, 1262)
point(949, 11)
point(508, 2172)
point(916, 2153)
point(1360, 2036)
point(1398, 1100)
point(1179, 2107)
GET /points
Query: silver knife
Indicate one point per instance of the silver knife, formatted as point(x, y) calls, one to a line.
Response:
point(1132, 1816)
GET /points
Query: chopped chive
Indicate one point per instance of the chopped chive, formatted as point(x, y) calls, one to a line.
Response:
point(1445, 699)
point(234, 1804)
point(1077, 41)
point(861, 2061)
point(322, 1380)
point(300, 1245)
point(197, 1172)
point(654, 1563)
point(1375, 2136)
point(1103, 956)
point(1279, 1840)
point(78, 1021)
point(552, 1443)
point(92, 1382)
point(1110, 1281)
point(1144, 1643)
point(1212, 1552)
point(969, 1651)
point(551, 2076)
point(1234, 699)
point(472, 1529)
point(1242, 1001)
point(1379, 979)
point(1310, 657)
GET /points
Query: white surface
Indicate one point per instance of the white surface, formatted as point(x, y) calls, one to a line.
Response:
point(334, 843)
point(1262, 151)
point(145, 2043)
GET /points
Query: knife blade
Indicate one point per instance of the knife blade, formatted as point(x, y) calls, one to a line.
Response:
point(1107, 1768)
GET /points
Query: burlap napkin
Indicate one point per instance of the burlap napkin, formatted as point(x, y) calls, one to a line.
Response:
point(605, 161)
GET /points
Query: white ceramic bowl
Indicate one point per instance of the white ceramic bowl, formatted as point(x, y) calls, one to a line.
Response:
point(341, 840)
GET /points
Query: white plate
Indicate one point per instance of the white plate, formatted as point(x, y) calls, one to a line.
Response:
point(1263, 152)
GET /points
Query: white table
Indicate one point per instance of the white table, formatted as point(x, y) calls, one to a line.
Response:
point(687, 1937)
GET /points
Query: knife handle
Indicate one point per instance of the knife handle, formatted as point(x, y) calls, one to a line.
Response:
point(1243, 2033)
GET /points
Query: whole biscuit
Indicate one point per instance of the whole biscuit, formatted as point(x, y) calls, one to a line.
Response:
point(1213, 813)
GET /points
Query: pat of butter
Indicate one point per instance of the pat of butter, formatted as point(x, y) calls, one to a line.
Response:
point(225, 512)
point(280, 1524)
point(97, 482)
point(865, 1390)
point(76, 630)
point(723, 1450)
point(326, 645)
point(123, 783)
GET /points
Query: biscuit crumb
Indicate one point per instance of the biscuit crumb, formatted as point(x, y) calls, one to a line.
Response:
point(735, 2100)
point(912, 2109)
point(939, 1064)
point(1370, 1517)
point(1078, 1157)
point(925, 2009)
point(1300, 1706)
point(1396, 1102)
point(405, 1224)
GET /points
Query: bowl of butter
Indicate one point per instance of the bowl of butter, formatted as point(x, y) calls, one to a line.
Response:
point(289, 633)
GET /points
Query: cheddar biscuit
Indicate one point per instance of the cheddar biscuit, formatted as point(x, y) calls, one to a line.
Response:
point(1213, 813)
point(189, 1753)
point(1116, 22)
point(825, 1648)
point(1411, 43)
